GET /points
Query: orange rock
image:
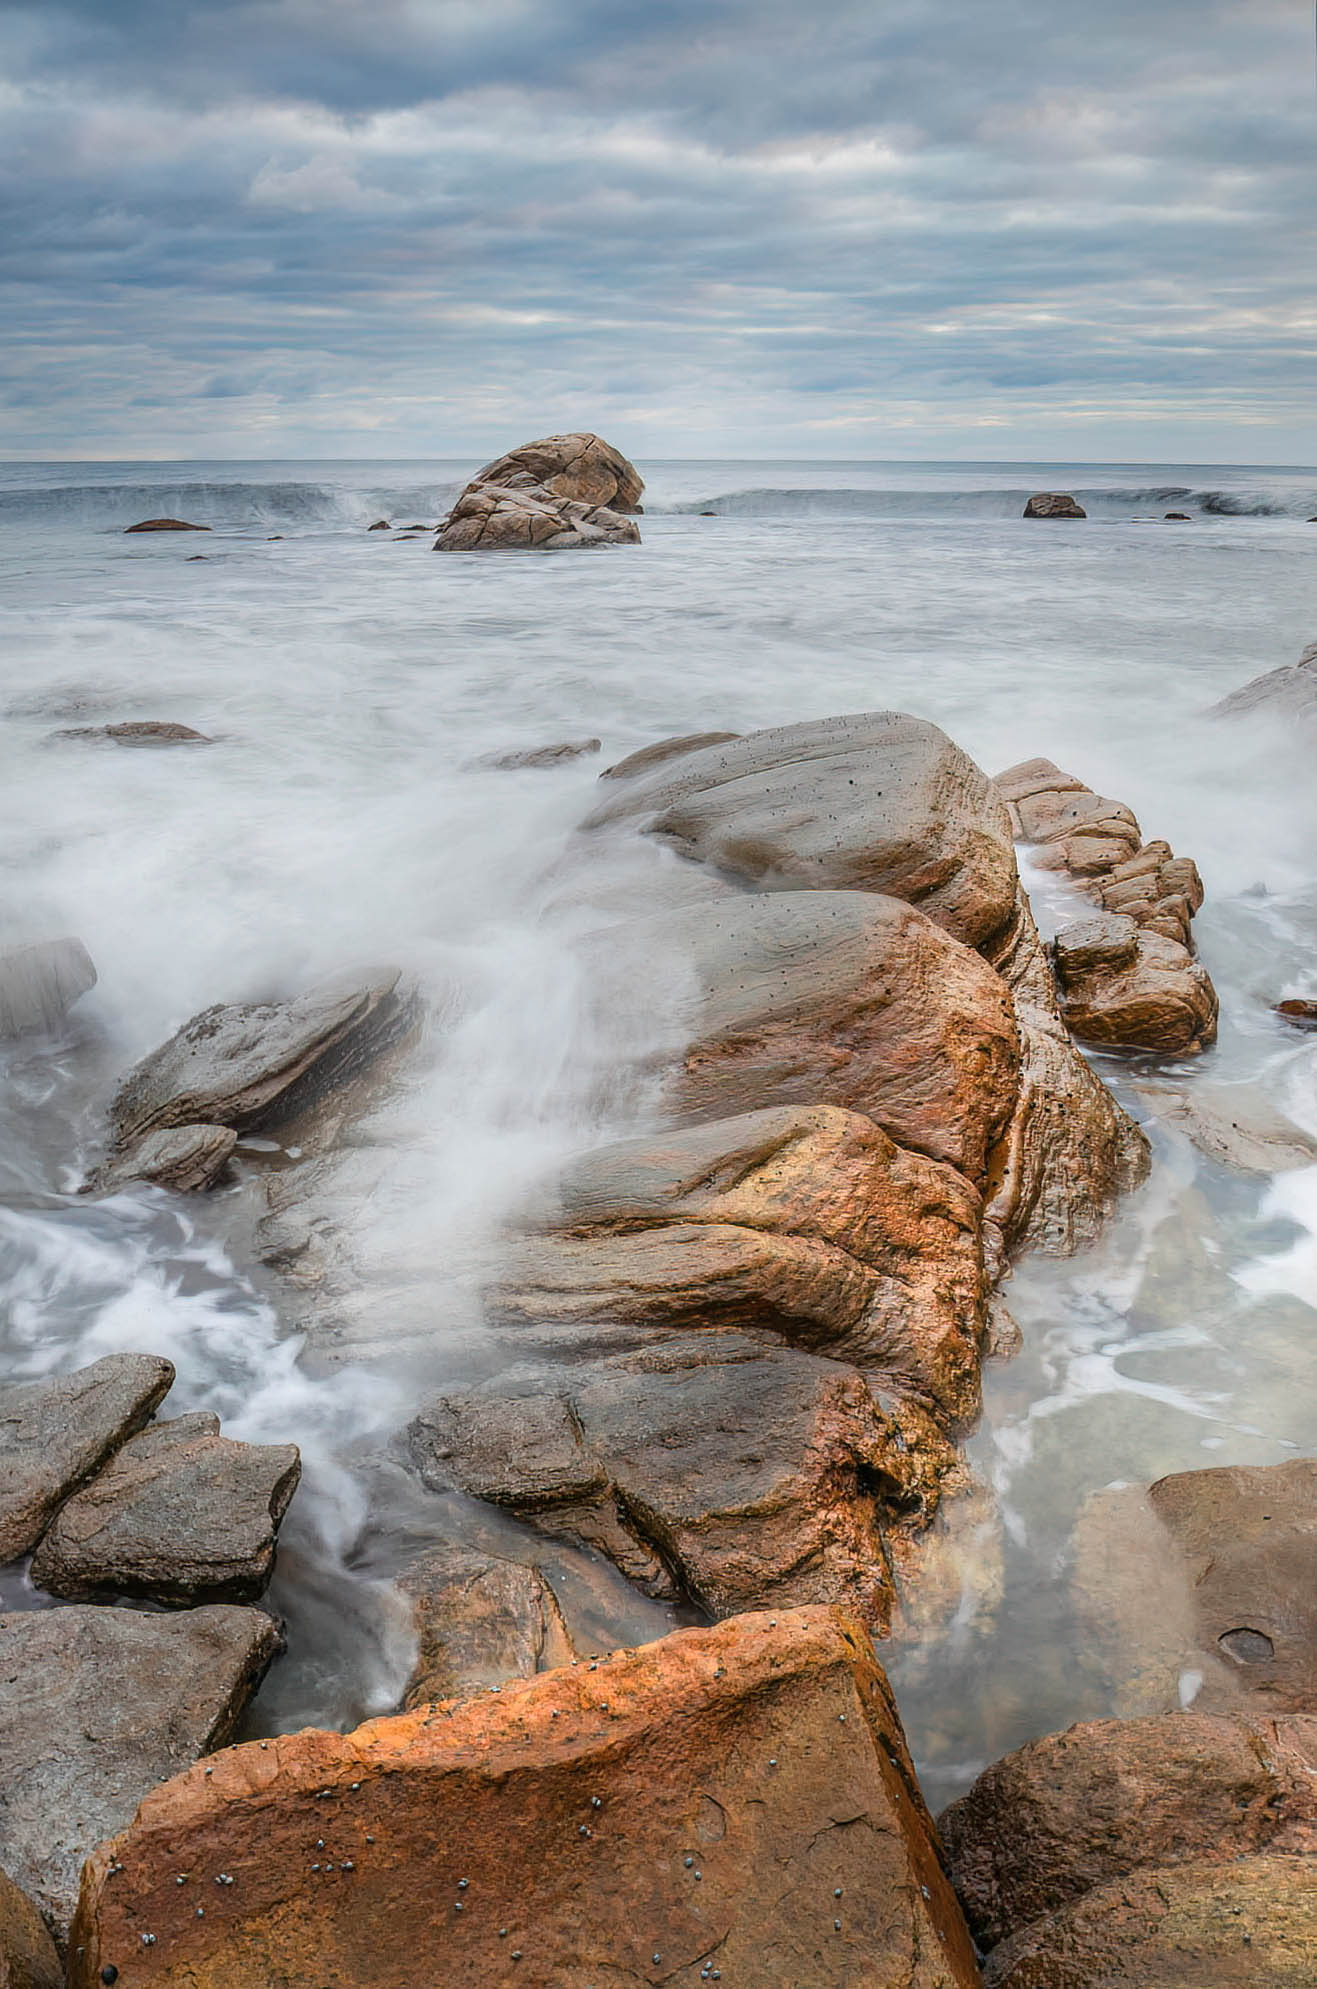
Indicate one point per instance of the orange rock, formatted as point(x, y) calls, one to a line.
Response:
point(733, 1804)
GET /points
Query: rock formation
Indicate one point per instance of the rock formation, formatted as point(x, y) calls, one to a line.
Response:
point(1053, 504)
point(166, 525)
point(1288, 694)
point(58, 1433)
point(542, 756)
point(39, 984)
point(554, 1833)
point(564, 491)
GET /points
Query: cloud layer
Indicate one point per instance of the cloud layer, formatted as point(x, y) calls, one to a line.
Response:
point(411, 227)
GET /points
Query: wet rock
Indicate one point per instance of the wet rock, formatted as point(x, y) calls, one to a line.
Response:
point(1288, 694)
point(1076, 1810)
point(1303, 1014)
point(489, 519)
point(1233, 1124)
point(181, 1515)
point(1231, 1556)
point(140, 732)
point(380, 525)
point(581, 468)
point(253, 1064)
point(782, 1840)
point(543, 756)
point(876, 801)
point(28, 1956)
point(808, 1221)
point(718, 1467)
point(96, 1707)
point(184, 1158)
point(59, 1431)
point(1053, 504)
point(39, 984)
point(1123, 988)
point(1204, 1926)
point(479, 1620)
point(166, 525)
point(1178, 518)
point(649, 757)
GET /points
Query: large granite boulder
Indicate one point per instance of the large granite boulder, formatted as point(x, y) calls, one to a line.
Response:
point(29, 1958)
point(57, 1432)
point(581, 467)
point(809, 1221)
point(564, 491)
point(39, 984)
point(876, 801)
point(96, 1707)
point(181, 1515)
point(722, 1469)
point(479, 1619)
point(734, 1803)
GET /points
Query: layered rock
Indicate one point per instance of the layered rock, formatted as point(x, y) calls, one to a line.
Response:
point(96, 1707)
point(181, 1515)
point(1124, 989)
point(564, 491)
point(28, 1956)
point(58, 1432)
point(556, 755)
point(554, 1833)
point(39, 984)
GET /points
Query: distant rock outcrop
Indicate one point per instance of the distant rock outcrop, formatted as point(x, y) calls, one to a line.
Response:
point(166, 525)
point(563, 491)
point(1053, 504)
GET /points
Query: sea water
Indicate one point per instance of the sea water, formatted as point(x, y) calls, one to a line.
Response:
point(356, 685)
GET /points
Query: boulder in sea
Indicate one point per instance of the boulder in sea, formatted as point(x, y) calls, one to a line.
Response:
point(380, 525)
point(140, 732)
point(180, 1516)
point(564, 491)
point(29, 1958)
point(59, 1431)
point(39, 984)
point(166, 525)
point(556, 755)
point(736, 1800)
point(479, 1620)
point(184, 1158)
point(1298, 1011)
point(1178, 518)
point(1053, 504)
point(96, 1707)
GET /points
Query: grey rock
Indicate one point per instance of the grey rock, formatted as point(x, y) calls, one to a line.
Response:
point(185, 1158)
point(1053, 504)
point(181, 1515)
point(1289, 693)
point(39, 984)
point(57, 1432)
point(542, 756)
point(96, 1707)
point(139, 732)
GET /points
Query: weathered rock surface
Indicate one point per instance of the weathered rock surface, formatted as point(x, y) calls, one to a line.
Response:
point(543, 756)
point(580, 467)
point(554, 1833)
point(1126, 989)
point(875, 801)
point(564, 491)
point(181, 1515)
point(1230, 1556)
point(39, 984)
point(1206, 1926)
point(165, 525)
point(1053, 504)
point(479, 1620)
point(721, 1468)
point(648, 757)
point(1289, 694)
point(55, 1433)
point(808, 1221)
point(28, 1956)
point(1079, 1809)
point(139, 732)
point(251, 1064)
point(832, 997)
point(185, 1158)
point(96, 1707)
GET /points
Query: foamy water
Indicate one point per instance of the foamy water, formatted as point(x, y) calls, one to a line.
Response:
point(353, 682)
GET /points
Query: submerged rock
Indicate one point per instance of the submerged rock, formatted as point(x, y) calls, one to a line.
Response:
point(166, 525)
point(181, 1515)
point(140, 732)
point(479, 1620)
point(564, 491)
point(1303, 1014)
point(542, 756)
point(555, 1831)
point(96, 1707)
point(39, 984)
point(29, 1958)
point(1234, 1125)
point(1053, 504)
point(59, 1431)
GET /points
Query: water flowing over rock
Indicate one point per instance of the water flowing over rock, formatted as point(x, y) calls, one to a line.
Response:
point(59, 1431)
point(96, 1707)
point(479, 1620)
point(139, 732)
point(564, 491)
point(181, 1515)
point(1053, 504)
point(1288, 694)
point(553, 1832)
point(29, 1958)
point(39, 984)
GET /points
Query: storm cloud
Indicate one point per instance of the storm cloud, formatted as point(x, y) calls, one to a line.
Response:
point(414, 227)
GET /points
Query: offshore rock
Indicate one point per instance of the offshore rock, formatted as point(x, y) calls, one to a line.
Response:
point(580, 467)
point(182, 1515)
point(479, 1620)
point(185, 1158)
point(28, 1957)
point(808, 1221)
point(1074, 1811)
point(253, 1064)
point(56, 1433)
point(564, 491)
point(96, 1707)
point(719, 1468)
point(1053, 504)
point(554, 1834)
point(166, 525)
point(39, 984)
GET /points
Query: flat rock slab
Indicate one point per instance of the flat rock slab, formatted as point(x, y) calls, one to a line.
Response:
point(39, 984)
point(1288, 694)
point(246, 1064)
point(876, 801)
point(479, 1620)
point(180, 1516)
point(55, 1433)
point(96, 1707)
point(737, 1799)
point(28, 1957)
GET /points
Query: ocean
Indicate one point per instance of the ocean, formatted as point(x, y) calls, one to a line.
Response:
point(355, 685)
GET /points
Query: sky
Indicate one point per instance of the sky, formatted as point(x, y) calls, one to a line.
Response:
point(360, 228)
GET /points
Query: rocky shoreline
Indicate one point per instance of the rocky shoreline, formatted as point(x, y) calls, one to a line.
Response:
point(732, 1359)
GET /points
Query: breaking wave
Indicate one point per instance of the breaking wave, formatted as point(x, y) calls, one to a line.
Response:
point(1130, 502)
point(236, 504)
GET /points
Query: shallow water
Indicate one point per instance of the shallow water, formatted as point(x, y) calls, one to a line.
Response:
point(353, 682)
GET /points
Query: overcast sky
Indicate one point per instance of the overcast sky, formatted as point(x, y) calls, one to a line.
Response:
point(971, 228)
